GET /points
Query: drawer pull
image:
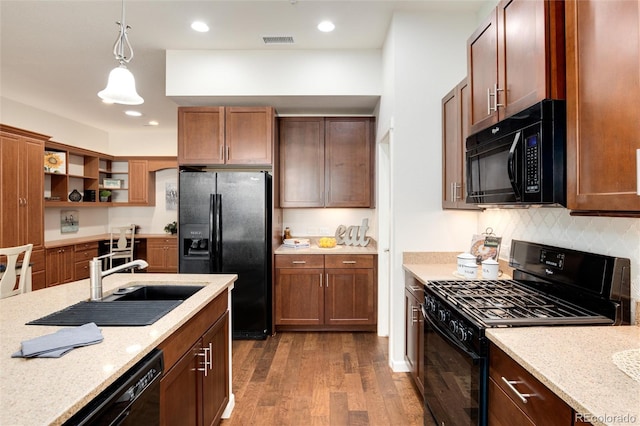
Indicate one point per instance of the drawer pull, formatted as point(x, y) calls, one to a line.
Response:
point(522, 396)
point(349, 262)
point(298, 262)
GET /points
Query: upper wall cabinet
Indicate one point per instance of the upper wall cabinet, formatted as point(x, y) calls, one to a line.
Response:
point(603, 88)
point(515, 59)
point(326, 162)
point(455, 129)
point(240, 136)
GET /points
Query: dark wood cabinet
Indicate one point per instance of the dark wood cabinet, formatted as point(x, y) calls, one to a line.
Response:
point(326, 161)
point(241, 136)
point(516, 397)
point(325, 292)
point(515, 59)
point(21, 200)
point(414, 330)
point(215, 384)
point(350, 291)
point(200, 135)
point(162, 254)
point(299, 290)
point(455, 129)
point(301, 161)
point(603, 88)
point(194, 389)
point(60, 265)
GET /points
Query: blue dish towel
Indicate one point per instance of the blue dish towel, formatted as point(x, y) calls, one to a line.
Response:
point(59, 343)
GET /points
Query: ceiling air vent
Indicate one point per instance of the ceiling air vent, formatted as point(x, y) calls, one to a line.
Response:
point(277, 39)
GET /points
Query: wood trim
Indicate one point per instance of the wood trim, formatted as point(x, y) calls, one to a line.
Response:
point(22, 132)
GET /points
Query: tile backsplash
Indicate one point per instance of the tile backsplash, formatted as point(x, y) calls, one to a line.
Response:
point(554, 226)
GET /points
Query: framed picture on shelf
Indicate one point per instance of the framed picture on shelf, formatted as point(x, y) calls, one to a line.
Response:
point(112, 183)
point(55, 162)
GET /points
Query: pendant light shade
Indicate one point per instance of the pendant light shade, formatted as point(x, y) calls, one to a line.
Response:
point(121, 88)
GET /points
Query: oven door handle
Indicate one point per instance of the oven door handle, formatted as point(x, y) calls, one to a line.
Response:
point(446, 335)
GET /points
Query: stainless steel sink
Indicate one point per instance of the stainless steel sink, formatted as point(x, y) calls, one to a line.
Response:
point(153, 292)
point(134, 305)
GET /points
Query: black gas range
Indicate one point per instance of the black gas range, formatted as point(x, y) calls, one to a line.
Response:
point(551, 286)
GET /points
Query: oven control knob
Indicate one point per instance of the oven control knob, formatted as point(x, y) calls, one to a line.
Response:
point(443, 315)
point(431, 304)
point(453, 326)
point(463, 333)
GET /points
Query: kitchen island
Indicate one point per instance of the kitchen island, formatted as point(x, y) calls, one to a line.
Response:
point(50, 390)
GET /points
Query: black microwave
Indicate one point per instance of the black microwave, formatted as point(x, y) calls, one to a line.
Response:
point(521, 160)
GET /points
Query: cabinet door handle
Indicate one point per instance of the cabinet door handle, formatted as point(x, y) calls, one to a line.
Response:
point(299, 262)
point(489, 100)
point(522, 396)
point(227, 152)
point(210, 356)
point(320, 280)
point(205, 363)
point(414, 317)
point(327, 285)
point(495, 99)
point(221, 152)
point(349, 262)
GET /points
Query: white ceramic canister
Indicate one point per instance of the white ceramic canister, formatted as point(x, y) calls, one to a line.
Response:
point(490, 269)
point(470, 272)
point(465, 259)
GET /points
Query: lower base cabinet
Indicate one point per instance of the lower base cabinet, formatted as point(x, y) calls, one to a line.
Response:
point(325, 292)
point(194, 389)
point(414, 330)
point(162, 255)
point(518, 398)
point(60, 263)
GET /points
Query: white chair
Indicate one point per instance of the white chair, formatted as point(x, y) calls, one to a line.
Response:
point(12, 271)
point(121, 243)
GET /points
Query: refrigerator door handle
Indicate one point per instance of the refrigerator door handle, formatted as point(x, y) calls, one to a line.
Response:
point(216, 232)
point(212, 232)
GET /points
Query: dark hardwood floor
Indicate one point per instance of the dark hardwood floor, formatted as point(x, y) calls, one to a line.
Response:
point(320, 379)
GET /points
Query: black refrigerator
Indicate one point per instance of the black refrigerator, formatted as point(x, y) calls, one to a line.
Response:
point(225, 227)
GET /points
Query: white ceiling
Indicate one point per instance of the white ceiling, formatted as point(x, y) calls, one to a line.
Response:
point(56, 55)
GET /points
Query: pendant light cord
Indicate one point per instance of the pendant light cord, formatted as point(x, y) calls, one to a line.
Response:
point(122, 42)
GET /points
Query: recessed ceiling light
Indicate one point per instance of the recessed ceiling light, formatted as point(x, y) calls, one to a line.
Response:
point(133, 113)
point(199, 26)
point(326, 26)
point(153, 123)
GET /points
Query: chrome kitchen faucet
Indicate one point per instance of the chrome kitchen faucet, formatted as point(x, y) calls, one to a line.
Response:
point(96, 273)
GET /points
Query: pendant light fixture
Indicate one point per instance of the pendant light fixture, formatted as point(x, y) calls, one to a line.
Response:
point(121, 86)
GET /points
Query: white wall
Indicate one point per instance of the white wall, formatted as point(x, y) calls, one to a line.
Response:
point(426, 55)
point(273, 72)
point(59, 128)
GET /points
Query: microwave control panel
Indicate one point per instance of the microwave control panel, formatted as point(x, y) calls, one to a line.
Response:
point(532, 161)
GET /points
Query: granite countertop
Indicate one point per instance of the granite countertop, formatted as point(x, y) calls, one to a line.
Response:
point(49, 390)
point(371, 248)
point(576, 364)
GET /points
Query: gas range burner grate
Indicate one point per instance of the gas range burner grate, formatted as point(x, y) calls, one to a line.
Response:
point(507, 302)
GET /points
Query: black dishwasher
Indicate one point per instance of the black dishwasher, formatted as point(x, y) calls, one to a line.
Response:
point(133, 399)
